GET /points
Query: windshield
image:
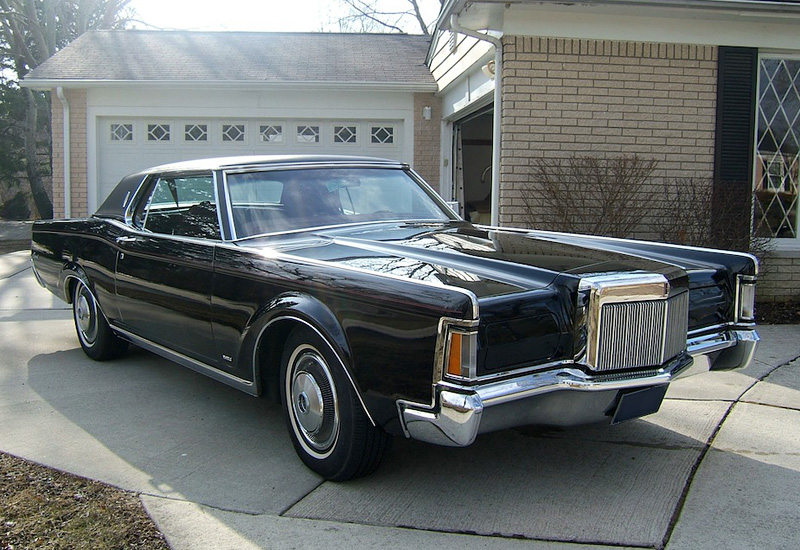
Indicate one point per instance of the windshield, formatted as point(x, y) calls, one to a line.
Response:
point(284, 200)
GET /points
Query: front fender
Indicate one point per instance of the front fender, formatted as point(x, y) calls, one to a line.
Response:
point(265, 334)
point(307, 309)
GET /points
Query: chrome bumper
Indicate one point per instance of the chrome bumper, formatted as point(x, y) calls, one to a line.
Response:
point(562, 396)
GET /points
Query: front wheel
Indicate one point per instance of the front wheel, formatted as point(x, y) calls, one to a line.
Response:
point(330, 430)
point(97, 339)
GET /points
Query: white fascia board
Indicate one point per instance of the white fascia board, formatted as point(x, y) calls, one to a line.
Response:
point(768, 25)
point(663, 26)
point(48, 84)
point(674, 26)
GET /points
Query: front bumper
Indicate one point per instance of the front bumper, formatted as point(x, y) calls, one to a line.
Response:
point(563, 396)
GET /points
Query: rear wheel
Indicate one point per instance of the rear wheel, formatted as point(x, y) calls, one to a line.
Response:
point(97, 339)
point(330, 430)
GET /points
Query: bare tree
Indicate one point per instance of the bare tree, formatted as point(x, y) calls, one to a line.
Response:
point(382, 16)
point(30, 32)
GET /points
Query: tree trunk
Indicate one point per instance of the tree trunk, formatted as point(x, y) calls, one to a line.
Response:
point(44, 206)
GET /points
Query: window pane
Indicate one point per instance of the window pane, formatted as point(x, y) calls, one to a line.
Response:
point(283, 200)
point(196, 132)
point(382, 135)
point(344, 134)
point(271, 133)
point(122, 132)
point(158, 132)
point(233, 132)
point(182, 206)
point(778, 142)
point(308, 134)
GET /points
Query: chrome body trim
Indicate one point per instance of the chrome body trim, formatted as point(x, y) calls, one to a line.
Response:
point(644, 307)
point(460, 413)
point(234, 381)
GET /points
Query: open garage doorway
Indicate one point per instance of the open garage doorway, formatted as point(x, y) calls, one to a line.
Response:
point(472, 177)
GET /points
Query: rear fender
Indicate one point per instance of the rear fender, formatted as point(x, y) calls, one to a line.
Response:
point(70, 276)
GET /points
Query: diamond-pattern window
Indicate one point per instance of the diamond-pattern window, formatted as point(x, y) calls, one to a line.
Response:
point(271, 133)
point(308, 134)
point(344, 134)
point(158, 132)
point(778, 144)
point(122, 132)
point(233, 132)
point(195, 132)
point(383, 135)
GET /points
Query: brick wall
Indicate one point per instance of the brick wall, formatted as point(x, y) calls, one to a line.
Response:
point(427, 138)
point(779, 279)
point(564, 97)
point(78, 166)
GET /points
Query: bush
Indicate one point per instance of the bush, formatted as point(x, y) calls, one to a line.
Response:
point(585, 194)
point(621, 197)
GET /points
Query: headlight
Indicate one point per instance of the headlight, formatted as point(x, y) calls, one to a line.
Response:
point(746, 298)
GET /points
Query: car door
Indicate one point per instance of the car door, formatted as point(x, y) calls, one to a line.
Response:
point(165, 265)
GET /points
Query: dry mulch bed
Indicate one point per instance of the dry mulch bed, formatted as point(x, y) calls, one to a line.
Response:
point(43, 508)
point(778, 313)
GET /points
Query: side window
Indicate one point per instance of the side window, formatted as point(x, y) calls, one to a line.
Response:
point(181, 205)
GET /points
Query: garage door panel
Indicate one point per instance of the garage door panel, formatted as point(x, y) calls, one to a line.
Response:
point(128, 145)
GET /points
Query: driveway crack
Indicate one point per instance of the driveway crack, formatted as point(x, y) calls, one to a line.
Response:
point(707, 447)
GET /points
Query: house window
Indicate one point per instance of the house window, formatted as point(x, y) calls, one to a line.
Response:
point(195, 132)
point(777, 146)
point(344, 134)
point(271, 133)
point(233, 132)
point(383, 135)
point(122, 132)
point(308, 134)
point(158, 132)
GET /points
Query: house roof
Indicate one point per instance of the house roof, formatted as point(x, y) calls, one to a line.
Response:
point(391, 60)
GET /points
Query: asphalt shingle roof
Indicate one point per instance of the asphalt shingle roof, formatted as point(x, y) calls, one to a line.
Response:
point(239, 57)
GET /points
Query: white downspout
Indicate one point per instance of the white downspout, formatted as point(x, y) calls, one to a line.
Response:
point(67, 148)
point(497, 129)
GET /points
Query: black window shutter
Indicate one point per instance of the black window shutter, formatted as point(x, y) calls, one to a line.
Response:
point(734, 148)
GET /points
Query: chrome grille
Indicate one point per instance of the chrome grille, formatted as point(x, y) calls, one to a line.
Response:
point(641, 334)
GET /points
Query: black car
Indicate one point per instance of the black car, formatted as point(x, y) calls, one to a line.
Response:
point(349, 290)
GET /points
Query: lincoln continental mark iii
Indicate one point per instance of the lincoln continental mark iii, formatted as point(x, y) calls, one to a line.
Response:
point(347, 289)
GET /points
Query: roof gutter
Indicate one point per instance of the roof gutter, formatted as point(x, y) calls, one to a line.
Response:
point(260, 85)
point(67, 152)
point(497, 126)
point(755, 6)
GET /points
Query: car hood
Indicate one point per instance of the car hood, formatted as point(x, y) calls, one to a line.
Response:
point(487, 262)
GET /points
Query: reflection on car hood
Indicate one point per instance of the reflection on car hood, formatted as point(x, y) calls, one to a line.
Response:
point(485, 261)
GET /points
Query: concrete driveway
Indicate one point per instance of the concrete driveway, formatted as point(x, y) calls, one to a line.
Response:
point(717, 467)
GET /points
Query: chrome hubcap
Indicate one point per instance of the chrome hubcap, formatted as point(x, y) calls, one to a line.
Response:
point(314, 406)
point(309, 407)
point(83, 315)
point(86, 316)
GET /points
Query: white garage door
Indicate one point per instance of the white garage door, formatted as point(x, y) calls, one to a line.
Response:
point(126, 146)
